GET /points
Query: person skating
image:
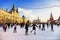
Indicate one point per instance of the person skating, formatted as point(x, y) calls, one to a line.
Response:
point(4, 27)
point(26, 28)
point(12, 24)
point(47, 25)
point(39, 26)
point(43, 26)
point(52, 22)
point(8, 25)
point(34, 28)
point(15, 28)
point(52, 27)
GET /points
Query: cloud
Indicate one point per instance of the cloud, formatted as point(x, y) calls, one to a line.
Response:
point(43, 11)
point(27, 13)
point(43, 14)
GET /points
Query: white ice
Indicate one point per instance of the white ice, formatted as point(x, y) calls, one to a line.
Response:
point(40, 35)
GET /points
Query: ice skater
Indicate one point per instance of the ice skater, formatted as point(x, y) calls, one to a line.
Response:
point(26, 28)
point(15, 28)
point(52, 27)
point(58, 24)
point(47, 25)
point(4, 27)
point(34, 28)
point(43, 26)
point(39, 26)
point(52, 22)
point(8, 25)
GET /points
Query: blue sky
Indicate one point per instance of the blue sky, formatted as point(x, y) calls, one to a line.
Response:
point(26, 3)
point(34, 8)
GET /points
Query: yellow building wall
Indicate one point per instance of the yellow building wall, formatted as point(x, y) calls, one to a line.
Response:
point(8, 17)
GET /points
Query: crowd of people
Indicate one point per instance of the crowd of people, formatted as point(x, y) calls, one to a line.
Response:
point(26, 26)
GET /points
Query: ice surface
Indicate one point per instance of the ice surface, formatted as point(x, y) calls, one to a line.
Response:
point(40, 35)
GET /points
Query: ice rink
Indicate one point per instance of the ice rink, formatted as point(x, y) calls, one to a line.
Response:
point(40, 35)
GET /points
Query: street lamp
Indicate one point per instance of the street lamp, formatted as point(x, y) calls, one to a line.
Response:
point(23, 17)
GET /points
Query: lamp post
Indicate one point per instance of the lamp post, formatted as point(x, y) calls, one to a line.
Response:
point(23, 17)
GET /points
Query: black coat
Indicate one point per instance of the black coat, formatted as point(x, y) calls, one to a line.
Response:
point(26, 26)
point(34, 26)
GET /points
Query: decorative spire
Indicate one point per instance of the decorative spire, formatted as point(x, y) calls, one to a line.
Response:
point(13, 8)
point(51, 17)
point(17, 10)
